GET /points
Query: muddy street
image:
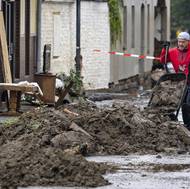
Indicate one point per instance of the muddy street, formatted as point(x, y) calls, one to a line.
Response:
point(143, 171)
point(94, 94)
point(149, 171)
point(53, 147)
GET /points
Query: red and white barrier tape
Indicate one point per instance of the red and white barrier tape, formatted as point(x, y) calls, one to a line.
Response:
point(128, 55)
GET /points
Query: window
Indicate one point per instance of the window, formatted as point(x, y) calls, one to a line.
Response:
point(17, 39)
point(27, 37)
point(142, 40)
point(148, 29)
point(125, 28)
point(133, 28)
point(142, 28)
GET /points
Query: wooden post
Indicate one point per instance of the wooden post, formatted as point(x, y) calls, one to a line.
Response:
point(4, 52)
point(13, 102)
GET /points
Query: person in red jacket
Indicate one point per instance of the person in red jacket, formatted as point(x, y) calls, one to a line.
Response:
point(180, 55)
point(180, 59)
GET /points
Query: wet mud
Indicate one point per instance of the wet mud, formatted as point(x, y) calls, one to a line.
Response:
point(167, 95)
point(124, 129)
point(39, 149)
point(46, 147)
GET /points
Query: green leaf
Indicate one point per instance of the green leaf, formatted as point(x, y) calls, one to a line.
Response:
point(115, 20)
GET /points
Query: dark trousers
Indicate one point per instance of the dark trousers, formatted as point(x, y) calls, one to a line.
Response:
point(186, 109)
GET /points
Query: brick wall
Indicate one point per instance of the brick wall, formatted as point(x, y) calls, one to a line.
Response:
point(95, 34)
point(64, 61)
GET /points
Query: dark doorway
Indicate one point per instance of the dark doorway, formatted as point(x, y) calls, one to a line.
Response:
point(142, 41)
point(8, 12)
point(21, 43)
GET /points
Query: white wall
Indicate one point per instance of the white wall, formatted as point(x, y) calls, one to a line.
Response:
point(49, 11)
point(59, 30)
point(95, 34)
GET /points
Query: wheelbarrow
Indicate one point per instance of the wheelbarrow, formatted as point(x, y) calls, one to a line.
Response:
point(168, 94)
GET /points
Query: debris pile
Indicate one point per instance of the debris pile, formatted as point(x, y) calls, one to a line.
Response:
point(164, 93)
point(47, 146)
point(30, 165)
point(124, 129)
point(167, 95)
point(36, 150)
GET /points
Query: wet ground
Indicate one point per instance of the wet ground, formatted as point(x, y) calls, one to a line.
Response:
point(149, 171)
point(46, 147)
point(144, 172)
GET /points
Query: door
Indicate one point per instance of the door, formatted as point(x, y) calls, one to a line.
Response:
point(8, 12)
point(21, 44)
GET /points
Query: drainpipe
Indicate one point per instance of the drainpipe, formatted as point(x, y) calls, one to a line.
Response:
point(78, 59)
point(38, 49)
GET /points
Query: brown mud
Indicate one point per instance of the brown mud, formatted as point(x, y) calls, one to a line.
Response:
point(151, 167)
point(46, 146)
point(167, 95)
point(40, 150)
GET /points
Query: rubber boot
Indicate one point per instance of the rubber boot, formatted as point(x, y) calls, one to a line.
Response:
point(186, 115)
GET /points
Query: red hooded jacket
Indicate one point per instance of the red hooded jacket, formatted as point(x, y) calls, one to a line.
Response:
point(179, 59)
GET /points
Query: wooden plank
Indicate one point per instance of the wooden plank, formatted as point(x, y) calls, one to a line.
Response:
point(75, 127)
point(4, 52)
point(17, 87)
point(63, 94)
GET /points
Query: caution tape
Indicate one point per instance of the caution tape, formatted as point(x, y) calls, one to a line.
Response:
point(128, 55)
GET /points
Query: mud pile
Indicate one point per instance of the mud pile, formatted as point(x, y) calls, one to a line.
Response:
point(167, 95)
point(28, 165)
point(45, 146)
point(124, 129)
point(30, 156)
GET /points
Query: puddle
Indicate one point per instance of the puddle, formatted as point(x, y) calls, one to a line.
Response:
point(141, 179)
